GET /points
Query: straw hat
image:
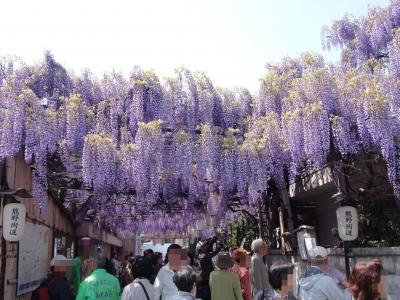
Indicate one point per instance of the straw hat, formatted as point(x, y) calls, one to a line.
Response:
point(224, 261)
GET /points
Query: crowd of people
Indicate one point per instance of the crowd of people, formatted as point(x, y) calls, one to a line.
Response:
point(213, 273)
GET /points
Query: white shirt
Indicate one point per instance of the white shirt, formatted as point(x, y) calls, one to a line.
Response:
point(164, 286)
point(134, 290)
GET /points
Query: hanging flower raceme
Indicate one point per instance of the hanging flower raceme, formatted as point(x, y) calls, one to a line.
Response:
point(209, 163)
point(42, 134)
point(231, 108)
point(99, 163)
point(265, 152)
point(394, 67)
point(345, 136)
point(341, 32)
point(319, 86)
point(129, 155)
point(383, 127)
point(230, 154)
point(146, 98)
point(150, 141)
point(269, 95)
point(183, 156)
point(293, 131)
point(316, 135)
point(13, 113)
point(77, 125)
point(181, 103)
point(210, 102)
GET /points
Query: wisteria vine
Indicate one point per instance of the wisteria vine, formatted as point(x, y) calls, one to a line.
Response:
point(157, 156)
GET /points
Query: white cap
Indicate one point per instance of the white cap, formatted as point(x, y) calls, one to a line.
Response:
point(317, 252)
point(60, 260)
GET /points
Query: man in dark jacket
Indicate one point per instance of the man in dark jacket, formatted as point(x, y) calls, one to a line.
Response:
point(205, 256)
point(57, 284)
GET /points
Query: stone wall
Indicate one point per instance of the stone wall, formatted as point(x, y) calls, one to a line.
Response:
point(389, 256)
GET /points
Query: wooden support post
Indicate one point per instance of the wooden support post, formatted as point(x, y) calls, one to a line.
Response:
point(347, 257)
point(286, 202)
point(282, 229)
point(260, 222)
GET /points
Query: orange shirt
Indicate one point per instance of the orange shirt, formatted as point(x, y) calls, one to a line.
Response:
point(244, 277)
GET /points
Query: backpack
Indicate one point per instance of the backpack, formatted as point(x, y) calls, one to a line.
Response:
point(42, 293)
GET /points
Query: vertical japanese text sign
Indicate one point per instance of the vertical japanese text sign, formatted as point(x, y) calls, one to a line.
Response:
point(347, 219)
point(14, 218)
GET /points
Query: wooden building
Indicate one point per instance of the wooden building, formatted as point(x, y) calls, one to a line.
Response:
point(47, 232)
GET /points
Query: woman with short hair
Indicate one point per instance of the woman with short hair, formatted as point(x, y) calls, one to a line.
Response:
point(240, 256)
point(140, 288)
point(223, 283)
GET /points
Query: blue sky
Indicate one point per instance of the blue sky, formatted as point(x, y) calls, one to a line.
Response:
point(229, 39)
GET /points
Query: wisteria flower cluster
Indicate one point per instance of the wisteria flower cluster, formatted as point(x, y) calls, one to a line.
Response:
point(158, 156)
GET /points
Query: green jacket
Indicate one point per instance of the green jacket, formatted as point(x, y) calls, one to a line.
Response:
point(100, 286)
point(76, 274)
point(225, 285)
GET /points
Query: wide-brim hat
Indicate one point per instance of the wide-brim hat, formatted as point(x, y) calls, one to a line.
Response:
point(224, 261)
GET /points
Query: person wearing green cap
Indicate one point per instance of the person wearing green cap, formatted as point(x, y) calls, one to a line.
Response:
point(99, 285)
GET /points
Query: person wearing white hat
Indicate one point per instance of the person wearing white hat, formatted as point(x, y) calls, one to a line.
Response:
point(314, 283)
point(57, 284)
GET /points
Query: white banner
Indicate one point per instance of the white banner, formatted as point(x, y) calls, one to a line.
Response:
point(33, 257)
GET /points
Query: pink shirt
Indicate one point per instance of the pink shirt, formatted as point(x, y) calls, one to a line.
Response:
point(244, 277)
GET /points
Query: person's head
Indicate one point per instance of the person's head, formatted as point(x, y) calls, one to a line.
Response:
point(224, 261)
point(108, 266)
point(318, 256)
point(148, 254)
point(60, 264)
point(157, 259)
point(98, 259)
point(185, 279)
point(190, 259)
point(142, 268)
point(260, 247)
point(171, 247)
point(281, 277)
point(239, 255)
point(132, 259)
point(232, 249)
point(364, 280)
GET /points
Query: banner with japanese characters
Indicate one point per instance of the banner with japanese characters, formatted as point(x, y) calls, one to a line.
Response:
point(347, 218)
point(14, 218)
